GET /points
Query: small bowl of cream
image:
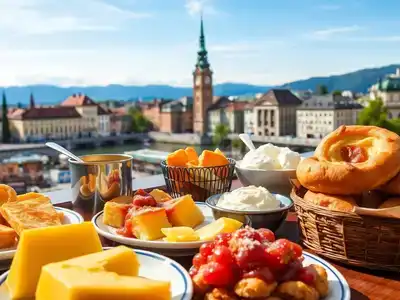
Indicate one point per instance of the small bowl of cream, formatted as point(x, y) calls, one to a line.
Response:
point(252, 205)
point(269, 166)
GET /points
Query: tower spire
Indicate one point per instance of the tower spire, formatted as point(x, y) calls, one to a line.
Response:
point(31, 101)
point(202, 59)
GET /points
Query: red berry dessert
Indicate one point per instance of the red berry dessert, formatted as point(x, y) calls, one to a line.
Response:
point(251, 264)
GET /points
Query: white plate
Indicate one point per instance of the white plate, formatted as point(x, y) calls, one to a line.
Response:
point(166, 248)
point(166, 270)
point(338, 287)
point(70, 217)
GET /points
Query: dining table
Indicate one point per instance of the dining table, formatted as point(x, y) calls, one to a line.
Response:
point(364, 283)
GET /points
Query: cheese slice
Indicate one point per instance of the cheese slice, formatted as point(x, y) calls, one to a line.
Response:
point(40, 246)
point(99, 276)
point(121, 260)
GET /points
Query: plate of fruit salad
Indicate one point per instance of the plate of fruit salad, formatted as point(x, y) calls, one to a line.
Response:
point(156, 221)
point(252, 264)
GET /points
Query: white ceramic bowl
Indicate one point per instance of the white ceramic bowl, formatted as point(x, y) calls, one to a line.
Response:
point(275, 181)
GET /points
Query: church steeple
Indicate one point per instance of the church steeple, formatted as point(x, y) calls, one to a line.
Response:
point(202, 60)
point(31, 101)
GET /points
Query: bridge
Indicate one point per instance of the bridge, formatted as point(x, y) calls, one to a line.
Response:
point(6, 150)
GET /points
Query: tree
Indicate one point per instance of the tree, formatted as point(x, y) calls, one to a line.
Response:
point(237, 144)
point(221, 132)
point(337, 93)
point(6, 134)
point(322, 89)
point(139, 122)
point(374, 114)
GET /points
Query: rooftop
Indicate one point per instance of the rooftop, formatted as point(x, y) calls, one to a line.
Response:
point(78, 100)
point(44, 113)
point(279, 97)
point(329, 102)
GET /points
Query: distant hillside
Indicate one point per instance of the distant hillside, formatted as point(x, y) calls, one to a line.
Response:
point(358, 81)
point(50, 94)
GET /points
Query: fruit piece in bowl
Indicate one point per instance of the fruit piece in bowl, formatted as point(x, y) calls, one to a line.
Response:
point(269, 166)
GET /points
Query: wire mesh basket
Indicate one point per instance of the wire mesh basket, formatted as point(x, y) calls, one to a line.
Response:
point(200, 182)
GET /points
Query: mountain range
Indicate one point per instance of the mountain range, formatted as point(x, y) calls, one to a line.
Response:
point(358, 81)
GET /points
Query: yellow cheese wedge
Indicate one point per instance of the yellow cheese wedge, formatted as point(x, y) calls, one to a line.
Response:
point(99, 276)
point(40, 246)
point(222, 225)
point(59, 282)
point(121, 260)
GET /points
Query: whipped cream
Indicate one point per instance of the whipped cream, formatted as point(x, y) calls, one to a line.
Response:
point(270, 157)
point(248, 198)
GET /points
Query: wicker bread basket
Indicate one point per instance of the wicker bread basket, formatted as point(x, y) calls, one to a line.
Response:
point(366, 241)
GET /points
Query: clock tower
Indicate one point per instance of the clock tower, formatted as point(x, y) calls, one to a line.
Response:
point(202, 87)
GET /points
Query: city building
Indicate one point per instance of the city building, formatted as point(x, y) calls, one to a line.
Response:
point(388, 90)
point(249, 119)
point(202, 87)
point(120, 121)
point(186, 114)
point(77, 116)
point(322, 114)
point(177, 116)
point(303, 94)
point(275, 113)
point(228, 112)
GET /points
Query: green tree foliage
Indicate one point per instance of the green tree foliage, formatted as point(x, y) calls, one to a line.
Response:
point(6, 135)
point(375, 114)
point(221, 132)
point(337, 93)
point(139, 122)
point(322, 89)
point(237, 144)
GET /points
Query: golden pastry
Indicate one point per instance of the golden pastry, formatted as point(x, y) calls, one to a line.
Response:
point(332, 202)
point(351, 160)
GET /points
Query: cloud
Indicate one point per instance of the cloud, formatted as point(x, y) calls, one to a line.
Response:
point(329, 32)
point(196, 7)
point(48, 16)
point(329, 7)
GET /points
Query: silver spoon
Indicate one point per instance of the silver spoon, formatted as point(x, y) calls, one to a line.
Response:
point(64, 151)
point(247, 141)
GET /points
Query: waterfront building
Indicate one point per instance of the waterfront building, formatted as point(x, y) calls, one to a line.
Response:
point(228, 112)
point(177, 115)
point(388, 90)
point(322, 114)
point(249, 119)
point(275, 113)
point(77, 116)
point(120, 120)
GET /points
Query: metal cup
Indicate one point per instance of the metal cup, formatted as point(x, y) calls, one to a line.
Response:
point(100, 178)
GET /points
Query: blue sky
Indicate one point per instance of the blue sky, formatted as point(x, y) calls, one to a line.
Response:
point(86, 42)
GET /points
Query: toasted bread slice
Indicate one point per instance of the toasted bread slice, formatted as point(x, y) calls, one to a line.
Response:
point(30, 214)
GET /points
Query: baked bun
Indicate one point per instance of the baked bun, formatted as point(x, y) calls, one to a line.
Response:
point(391, 202)
point(332, 202)
point(393, 186)
point(350, 160)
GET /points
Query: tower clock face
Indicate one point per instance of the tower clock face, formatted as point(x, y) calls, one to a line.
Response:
point(207, 80)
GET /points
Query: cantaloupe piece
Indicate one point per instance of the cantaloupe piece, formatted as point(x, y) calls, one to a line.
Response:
point(192, 163)
point(212, 159)
point(178, 158)
point(191, 153)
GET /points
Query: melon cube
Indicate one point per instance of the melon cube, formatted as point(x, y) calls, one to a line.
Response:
point(183, 211)
point(148, 222)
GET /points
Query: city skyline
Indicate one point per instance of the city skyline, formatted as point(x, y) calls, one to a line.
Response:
point(155, 42)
